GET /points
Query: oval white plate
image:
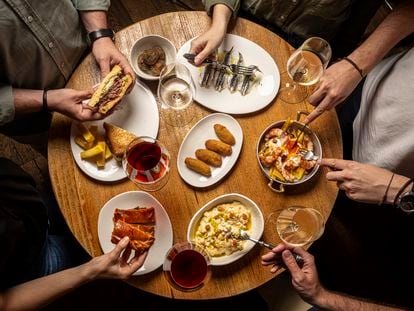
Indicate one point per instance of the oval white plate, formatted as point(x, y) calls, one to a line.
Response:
point(224, 101)
point(256, 230)
point(138, 114)
point(195, 139)
point(163, 229)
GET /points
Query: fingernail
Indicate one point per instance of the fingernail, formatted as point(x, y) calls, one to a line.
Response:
point(124, 241)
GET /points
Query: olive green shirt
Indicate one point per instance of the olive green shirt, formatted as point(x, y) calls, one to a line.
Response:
point(341, 22)
point(303, 18)
point(41, 43)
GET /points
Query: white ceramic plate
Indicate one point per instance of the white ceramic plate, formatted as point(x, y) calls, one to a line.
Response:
point(163, 229)
point(256, 229)
point(224, 101)
point(138, 113)
point(195, 139)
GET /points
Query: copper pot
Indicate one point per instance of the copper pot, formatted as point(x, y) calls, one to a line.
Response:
point(275, 184)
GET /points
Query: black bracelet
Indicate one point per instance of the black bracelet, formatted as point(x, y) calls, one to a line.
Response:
point(45, 106)
point(355, 66)
point(100, 33)
point(401, 191)
point(384, 198)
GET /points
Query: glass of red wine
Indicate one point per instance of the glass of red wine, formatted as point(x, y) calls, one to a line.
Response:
point(187, 266)
point(147, 163)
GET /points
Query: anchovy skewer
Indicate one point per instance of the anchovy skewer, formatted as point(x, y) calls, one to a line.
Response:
point(245, 85)
point(221, 75)
point(235, 78)
point(208, 73)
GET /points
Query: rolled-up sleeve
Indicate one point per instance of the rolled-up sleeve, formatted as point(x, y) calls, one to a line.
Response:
point(6, 104)
point(234, 5)
point(91, 5)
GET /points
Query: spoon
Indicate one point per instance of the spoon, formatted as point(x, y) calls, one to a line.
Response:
point(245, 236)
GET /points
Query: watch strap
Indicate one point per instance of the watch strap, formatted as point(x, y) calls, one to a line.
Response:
point(397, 198)
point(101, 33)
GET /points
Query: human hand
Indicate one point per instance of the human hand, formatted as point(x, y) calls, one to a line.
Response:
point(304, 279)
point(107, 55)
point(115, 265)
point(336, 84)
point(361, 182)
point(69, 103)
point(206, 45)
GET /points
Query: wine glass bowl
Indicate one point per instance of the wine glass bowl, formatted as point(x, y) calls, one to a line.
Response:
point(147, 163)
point(176, 91)
point(297, 226)
point(187, 266)
point(304, 68)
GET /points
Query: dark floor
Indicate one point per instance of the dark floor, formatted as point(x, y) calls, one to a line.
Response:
point(110, 294)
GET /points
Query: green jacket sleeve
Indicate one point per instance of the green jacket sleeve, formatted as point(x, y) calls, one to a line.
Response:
point(91, 5)
point(234, 5)
point(6, 104)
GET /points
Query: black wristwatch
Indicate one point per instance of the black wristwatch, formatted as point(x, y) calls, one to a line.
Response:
point(100, 33)
point(405, 200)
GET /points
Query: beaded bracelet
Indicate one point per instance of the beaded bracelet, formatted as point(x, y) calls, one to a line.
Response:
point(45, 106)
point(386, 190)
point(355, 66)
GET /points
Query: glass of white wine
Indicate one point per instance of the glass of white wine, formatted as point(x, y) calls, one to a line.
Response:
point(176, 91)
point(304, 68)
point(297, 226)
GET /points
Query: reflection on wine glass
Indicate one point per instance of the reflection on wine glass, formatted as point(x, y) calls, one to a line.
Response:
point(304, 68)
point(186, 266)
point(297, 225)
point(176, 91)
point(147, 163)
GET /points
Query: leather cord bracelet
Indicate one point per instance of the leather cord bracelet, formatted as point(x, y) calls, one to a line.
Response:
point(411, 180)
point(45, 107)
point(360, 71)
point(384, 198)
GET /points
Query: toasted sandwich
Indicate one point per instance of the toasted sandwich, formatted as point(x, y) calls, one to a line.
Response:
point(111, 90)
point(118, 139)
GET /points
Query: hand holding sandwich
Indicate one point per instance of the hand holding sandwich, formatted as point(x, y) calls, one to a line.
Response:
point(69, 103)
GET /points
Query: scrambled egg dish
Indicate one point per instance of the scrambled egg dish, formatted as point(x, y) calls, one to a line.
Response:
point(219, 228)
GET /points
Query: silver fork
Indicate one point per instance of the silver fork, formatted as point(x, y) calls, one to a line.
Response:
point(245, 236)
point(243, 70)
point(234, 68)
point(308, 155)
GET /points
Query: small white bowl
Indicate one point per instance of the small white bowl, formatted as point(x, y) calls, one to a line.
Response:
point(149, 42)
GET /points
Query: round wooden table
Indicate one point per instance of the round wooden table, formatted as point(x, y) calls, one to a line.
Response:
point(80, 198)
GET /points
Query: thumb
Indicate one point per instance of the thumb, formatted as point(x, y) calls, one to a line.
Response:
point(121, 246)
point(201, 56)
point(290, 262)
point(84, 94)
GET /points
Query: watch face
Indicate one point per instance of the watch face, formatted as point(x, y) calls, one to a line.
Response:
point(407, 202)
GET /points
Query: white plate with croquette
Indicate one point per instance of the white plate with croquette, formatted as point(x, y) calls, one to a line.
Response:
point(204, 174)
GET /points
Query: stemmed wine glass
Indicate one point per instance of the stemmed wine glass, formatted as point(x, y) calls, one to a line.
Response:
point(176, 91)
point(297, 225)
point(147, 163)
point(304, 68)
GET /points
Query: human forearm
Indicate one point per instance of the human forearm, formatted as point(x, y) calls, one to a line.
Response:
point(221, 17)
point(27, 101)
point(396, 26)
point(328, 300)
point(37, 293)
point(94, 20)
